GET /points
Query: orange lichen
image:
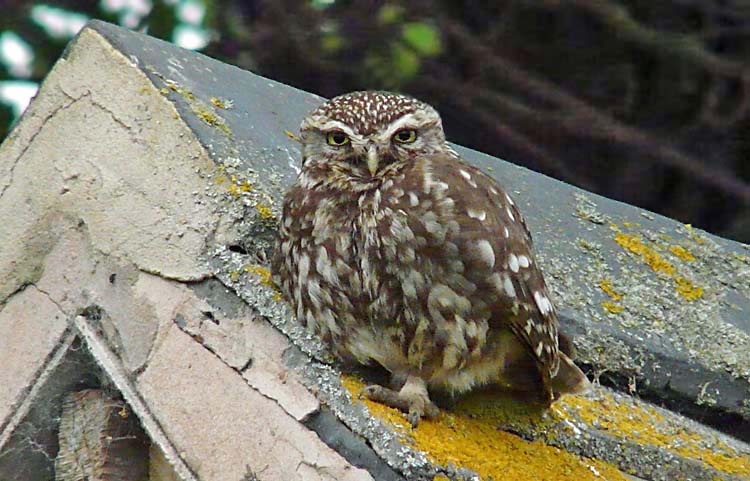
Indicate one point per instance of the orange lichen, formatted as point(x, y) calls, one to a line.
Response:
point(682, 253)
point(646, 425)
point(469, 436)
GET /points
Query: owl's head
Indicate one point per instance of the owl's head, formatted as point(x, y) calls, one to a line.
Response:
point(362, 138)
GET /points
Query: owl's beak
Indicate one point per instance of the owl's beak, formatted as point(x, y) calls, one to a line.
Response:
point(372, 159)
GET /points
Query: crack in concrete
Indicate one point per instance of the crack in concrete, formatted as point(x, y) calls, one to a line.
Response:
point(199, 340)
point(30, 141)
point(51, 299)
point(19, 289)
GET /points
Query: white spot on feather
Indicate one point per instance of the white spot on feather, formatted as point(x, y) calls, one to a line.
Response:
point(544, 305)
point(486, 254)
point(508, 286)
point(477, 214)
point(513, 262)
point(529, 325)
point(523, 261)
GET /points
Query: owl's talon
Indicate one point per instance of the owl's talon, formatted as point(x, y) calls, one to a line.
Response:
point(412, 399)
point(373, 392)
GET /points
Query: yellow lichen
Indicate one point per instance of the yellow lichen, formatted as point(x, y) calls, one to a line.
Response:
point(210, 118)
point(658, 264)
point(612, 307)
point(645, 425)
point(263, 273)
point(693, 235)
point(237, 186)
point(180, 90)
point(469, 437)
point(221, 103)
point(687, 289)
point(264, 211)
point(292, 136)
point(682, 253)
point(265, 277)
point(634, 244)
point(606, 286)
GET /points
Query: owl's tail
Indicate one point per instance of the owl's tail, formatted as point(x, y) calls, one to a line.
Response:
point(569, 378)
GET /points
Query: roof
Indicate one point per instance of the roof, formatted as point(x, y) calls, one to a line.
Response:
point(150, 179)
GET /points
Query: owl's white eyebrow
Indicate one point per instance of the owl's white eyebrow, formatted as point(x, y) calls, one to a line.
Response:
point(413, 121)
point(336, 125)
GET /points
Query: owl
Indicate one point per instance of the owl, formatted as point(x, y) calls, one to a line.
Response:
point(396, 251)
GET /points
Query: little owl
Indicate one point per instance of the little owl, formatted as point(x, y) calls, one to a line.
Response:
point(396, 251)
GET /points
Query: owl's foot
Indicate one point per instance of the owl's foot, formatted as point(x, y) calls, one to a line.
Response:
point(413, 399)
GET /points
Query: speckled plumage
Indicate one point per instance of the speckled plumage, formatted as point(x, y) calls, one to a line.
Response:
point(403, 254)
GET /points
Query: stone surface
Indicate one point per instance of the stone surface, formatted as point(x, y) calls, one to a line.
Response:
point(210, 414)
point(110, 161)
point(245, 342)
point(31, 325)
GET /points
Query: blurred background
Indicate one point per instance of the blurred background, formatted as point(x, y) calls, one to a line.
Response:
point(641, 101)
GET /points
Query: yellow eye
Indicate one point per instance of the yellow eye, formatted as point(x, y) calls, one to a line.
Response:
point(405, 136)
point(337, 138)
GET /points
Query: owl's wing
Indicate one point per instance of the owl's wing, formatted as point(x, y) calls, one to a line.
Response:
point(496, 248)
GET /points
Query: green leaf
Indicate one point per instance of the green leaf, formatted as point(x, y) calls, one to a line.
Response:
point(405, 60)
point(423, 38)
point(390, 13)
point(332, 43)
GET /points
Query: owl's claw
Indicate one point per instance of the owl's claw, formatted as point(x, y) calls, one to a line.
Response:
point(412, 399)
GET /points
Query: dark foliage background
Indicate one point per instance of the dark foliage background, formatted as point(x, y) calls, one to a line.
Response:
point(645, 102)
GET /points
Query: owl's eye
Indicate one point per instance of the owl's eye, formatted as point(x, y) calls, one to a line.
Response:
point(337, 138)
point(406, 136)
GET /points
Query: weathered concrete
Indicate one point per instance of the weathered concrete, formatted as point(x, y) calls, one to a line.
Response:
point(210, 414)
point(31, 325)
point(150, 178)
